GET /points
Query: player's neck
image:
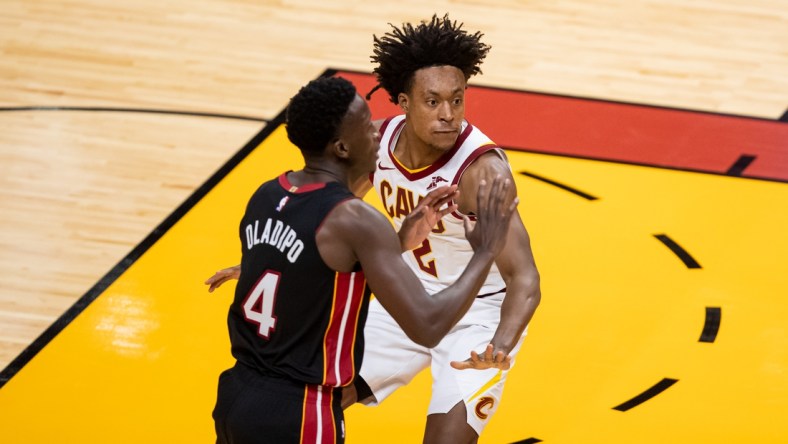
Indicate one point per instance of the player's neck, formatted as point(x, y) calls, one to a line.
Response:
point(413, 153)
point(312, 173)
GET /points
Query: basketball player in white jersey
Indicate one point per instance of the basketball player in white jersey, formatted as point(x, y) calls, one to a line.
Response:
point(425, 69)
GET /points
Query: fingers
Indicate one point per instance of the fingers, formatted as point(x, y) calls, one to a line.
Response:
point(217, 283)
point(440, 196)
point(498, 359)
point(450, 209)
point(491, 197)
point(217, 280)
point(446, 200)
point(506, 203)
point(460, 365)
point(212, 280)
point(488, 352)
point(222, 276)
point(488, 359)
point(501, 188)
point(482, 197)
point(507, 362)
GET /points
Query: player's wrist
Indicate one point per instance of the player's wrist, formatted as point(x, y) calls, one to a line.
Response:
point(484, 254)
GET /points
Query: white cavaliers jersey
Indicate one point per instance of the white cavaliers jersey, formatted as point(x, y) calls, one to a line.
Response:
point(440, 260)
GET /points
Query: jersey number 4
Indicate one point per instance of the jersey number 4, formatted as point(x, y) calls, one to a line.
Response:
point(259, 305)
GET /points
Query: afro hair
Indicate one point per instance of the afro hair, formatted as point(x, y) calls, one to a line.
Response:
point(439, 42)
point(314, 114)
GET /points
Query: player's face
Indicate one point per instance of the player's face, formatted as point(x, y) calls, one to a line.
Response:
point(435, 105)
point(361, 137)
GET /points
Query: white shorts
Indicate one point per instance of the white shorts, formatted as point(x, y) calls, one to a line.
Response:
point(391, 360)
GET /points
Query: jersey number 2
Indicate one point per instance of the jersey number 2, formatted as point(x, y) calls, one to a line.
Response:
point(420, 255)
point(259, 305)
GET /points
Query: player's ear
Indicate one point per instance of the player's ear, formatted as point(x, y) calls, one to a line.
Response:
point(340, 149)
point(403, 101)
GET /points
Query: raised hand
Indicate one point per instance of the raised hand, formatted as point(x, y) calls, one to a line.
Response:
point(489, 359)
point(417, 225)
point(494, 211)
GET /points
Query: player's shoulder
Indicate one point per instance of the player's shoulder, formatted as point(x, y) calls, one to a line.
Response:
point(490, 163)
point(356, 214)
point(389, 122)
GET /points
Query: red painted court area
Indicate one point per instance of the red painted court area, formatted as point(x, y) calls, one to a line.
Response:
point(619, 132)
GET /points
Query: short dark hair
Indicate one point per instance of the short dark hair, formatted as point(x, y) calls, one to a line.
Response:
point(314, 114)
point(439, 42)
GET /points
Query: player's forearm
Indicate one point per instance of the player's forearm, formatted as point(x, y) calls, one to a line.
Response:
point(517, 310)
point(449, 305)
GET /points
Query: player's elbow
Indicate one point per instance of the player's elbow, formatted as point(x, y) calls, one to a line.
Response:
point(528, 284)
point(425, 340)
point(535, 298)
point(535, 290)
point(427, 335)
point(428, 324)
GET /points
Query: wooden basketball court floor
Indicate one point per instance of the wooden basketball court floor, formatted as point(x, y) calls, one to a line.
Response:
point(659, 232)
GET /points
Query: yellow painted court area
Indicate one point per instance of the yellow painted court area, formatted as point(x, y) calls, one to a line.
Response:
point(620, 312)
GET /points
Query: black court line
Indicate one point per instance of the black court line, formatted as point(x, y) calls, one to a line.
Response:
point(685, 257)
point(528, 441)
point(740, 165)
point(575, 191)
point(133, 110)
point(655, 390)
point(712, 325)
point(62, 322)
point(641, 164)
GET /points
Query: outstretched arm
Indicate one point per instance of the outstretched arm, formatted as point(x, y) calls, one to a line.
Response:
point(517, 267)
point(415, 228)
point(523, 295)
point(357, 232)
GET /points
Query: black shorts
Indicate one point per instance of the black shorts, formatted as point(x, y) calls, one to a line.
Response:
point(254, 408)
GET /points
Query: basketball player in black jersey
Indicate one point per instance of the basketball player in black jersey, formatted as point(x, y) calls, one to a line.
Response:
point(311, 252)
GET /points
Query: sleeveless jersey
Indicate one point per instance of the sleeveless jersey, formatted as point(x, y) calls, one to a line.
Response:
point(292, 315)
point(442, 257)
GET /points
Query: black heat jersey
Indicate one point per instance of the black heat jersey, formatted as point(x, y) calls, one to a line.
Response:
point(292, 315)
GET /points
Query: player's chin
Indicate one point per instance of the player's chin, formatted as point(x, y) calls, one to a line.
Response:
point(444, 141)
